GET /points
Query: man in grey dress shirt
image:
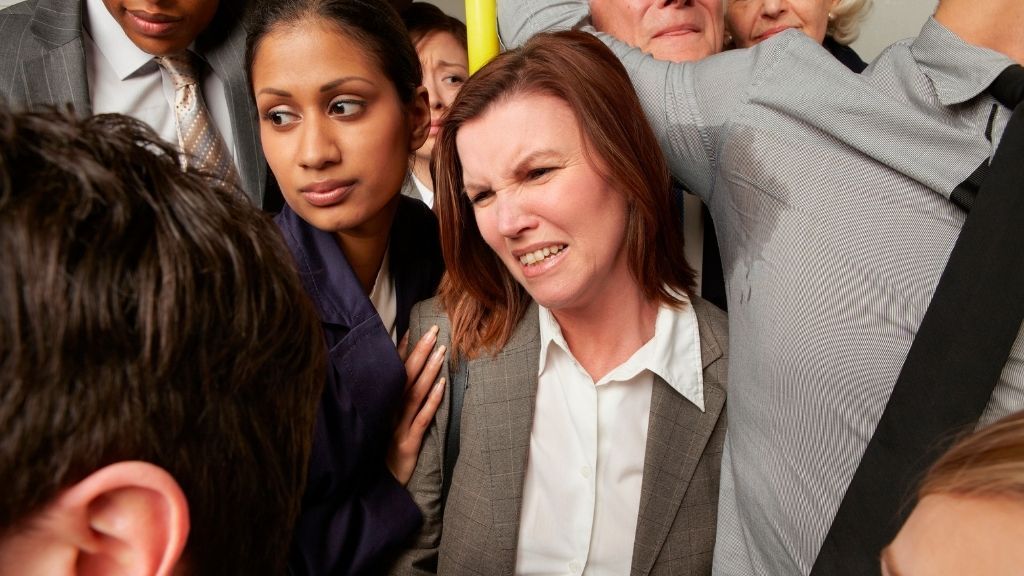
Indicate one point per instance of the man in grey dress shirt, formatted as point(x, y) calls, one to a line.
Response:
point(831, 195)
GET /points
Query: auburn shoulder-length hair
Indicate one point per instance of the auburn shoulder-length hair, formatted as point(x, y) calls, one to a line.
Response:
point(482, 298)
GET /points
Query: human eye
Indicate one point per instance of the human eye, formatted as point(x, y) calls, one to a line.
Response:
point(479, 197)
point(346, 106)
point(538, 173)
point(454, 80)
point(280, 116)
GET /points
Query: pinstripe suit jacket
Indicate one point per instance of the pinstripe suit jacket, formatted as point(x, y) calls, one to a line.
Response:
point(42, 61)
point(675, 533)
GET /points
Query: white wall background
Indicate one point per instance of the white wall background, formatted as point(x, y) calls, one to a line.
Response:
point(890, 20)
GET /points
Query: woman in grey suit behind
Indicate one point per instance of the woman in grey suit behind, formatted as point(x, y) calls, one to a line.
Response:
point(592, 424)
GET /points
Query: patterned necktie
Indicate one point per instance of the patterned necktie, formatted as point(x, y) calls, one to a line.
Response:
point(200, 142)
point(1008, 89)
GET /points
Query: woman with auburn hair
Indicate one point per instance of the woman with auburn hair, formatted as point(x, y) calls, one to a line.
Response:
point(590, 432)
point(969, 517)
point(833, 23)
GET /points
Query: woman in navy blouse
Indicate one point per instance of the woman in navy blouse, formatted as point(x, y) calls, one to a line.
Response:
point(337, 87)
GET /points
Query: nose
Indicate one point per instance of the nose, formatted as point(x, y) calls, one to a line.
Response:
point(514, 217)
point(433, 94)
point(318, 146)
point(773, 8)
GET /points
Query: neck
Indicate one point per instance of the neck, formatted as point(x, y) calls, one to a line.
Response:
point(364, 246)
point(993, 24)
point(607, 333)
point(421, 168)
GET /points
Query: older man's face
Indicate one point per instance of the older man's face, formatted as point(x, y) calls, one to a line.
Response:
point(675, 30)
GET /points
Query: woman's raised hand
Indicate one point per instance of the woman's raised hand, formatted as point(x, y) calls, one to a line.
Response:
point(419, 403)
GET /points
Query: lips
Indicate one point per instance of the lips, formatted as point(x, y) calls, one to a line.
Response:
point(539, 255)
point(152, 24)
point(538, 259)
point(771, 32)
point(328, 192)
point(678, 30)
point(435, 127)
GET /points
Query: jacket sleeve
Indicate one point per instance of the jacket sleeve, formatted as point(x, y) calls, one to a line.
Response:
point(425, 485)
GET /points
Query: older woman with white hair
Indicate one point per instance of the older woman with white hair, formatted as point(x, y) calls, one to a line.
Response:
point(834, 23)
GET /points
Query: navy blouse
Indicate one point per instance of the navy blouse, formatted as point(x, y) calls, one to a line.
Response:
point(354, 512)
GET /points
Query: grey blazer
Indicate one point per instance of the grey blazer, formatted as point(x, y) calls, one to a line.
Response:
point(42, 61)
point(675, 533)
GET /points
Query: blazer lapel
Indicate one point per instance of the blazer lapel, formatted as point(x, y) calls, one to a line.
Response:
point(676, 437)
point(58, 76)
point(507, 396)
point(226, 56)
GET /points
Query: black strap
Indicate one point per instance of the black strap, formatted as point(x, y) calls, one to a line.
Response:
point(953, 365)
point(459, 374)
point(712, 280)
point(1008, 89)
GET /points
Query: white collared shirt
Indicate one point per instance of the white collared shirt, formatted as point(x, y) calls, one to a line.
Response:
point(384, 297)
point(581, 492)
point(425, 193)
point(124, 79)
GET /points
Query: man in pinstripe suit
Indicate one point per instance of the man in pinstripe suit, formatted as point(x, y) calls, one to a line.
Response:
point(98, 56)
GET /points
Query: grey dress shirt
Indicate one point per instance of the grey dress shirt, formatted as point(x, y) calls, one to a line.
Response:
point(830, 191)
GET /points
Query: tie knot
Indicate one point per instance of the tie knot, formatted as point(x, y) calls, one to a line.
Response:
point(181, 66)
point(1008, 87)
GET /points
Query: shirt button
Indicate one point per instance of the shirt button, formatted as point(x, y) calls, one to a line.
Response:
point(575, 567)
point(585, 472)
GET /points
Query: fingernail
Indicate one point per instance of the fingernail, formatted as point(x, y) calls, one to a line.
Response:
point(432, 333)
point(439, 353)
point(439, 386)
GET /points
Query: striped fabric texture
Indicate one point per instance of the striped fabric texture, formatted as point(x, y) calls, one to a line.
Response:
point(201, 144)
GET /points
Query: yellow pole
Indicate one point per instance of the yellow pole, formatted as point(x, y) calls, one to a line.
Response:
point(482, 32)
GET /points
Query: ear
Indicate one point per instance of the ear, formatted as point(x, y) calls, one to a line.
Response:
point(419, 119)
point(125, 518)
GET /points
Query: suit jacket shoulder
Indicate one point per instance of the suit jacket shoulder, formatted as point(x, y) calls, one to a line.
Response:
point(42, 58)
point(713, 326)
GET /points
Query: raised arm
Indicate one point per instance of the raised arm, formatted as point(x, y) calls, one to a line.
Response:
point(520, 19)
point(686, 104)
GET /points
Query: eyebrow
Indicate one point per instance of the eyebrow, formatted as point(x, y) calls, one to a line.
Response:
point(542, 154)
point(274, 92)
point(447, 64)
point(520, 166)
point(325, 88)
point(335, 83)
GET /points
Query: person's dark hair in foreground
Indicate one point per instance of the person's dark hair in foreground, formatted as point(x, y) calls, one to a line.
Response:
point(160, 364)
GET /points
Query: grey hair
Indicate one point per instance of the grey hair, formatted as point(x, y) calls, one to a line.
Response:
point(845, 20)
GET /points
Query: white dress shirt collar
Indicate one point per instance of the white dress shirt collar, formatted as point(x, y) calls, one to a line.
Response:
point(384, 297)
point(959, 71)
point(673, 354)
point(123, 55)
point(425, 193)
